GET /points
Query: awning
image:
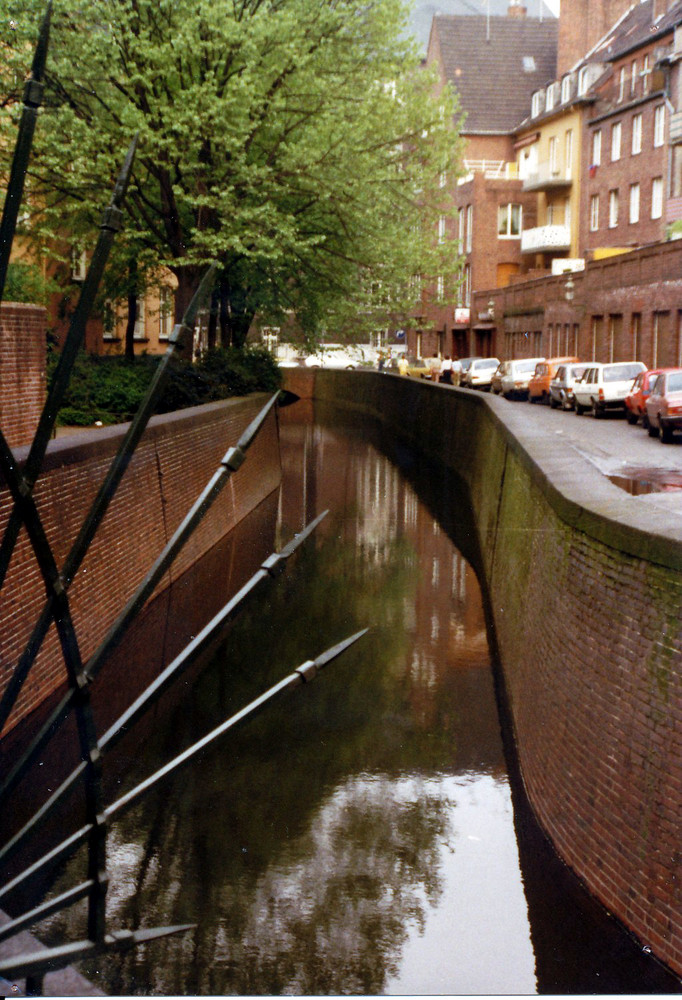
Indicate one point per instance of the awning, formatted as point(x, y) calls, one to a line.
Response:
point(486, 325)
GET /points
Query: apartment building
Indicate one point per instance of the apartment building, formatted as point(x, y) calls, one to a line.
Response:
point(495, 64)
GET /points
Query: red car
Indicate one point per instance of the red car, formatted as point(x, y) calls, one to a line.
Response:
point(664, 405)
point(635, 401)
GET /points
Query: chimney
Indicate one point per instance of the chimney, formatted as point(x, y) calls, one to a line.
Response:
point(516, 9)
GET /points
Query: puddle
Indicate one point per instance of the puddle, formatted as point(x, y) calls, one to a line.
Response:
point(639, 481)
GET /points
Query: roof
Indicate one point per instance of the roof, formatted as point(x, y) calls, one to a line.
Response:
point(496, 64)
point(635, 29)
point(423, 12)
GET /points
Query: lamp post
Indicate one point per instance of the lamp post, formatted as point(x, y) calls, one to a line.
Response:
point(491, 308)
point(569, 288)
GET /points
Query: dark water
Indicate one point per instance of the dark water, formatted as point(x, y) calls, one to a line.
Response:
point(363, 835)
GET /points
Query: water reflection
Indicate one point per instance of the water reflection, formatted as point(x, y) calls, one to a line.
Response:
point(358, 838)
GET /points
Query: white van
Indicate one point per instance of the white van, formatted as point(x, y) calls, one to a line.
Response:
point(604, 387)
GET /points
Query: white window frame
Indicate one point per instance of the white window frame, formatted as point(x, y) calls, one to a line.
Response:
point(568, 153)
point(537, 103)
point(596, 148)
point(441, 229)
point(634, 203)
point(613, 208)
point(594, 213)
point(583, 78)
point(467, 284)
point(616, 139)
point(460, 219)
point(469, 228)
point(140, 319)
point(566, 89)
point(621, 86)
point(636, 134)
point(553, 155)
point(440, 286)
point(645, 75)
point(79, 264)
point(633, 77)
point(656, 197)
point(659, 125)
point(511, 209)
point(165, 312)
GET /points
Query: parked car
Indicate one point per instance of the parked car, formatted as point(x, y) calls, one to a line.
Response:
point(664, 405)
point(466, 364)
point(538, 387)
point(561, 386)
point(479, 373)
point(604, 386)
point(635, 401)
point(498, 375)
point(515, 382)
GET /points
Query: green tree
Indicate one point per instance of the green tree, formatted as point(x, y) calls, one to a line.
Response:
point(297, 142)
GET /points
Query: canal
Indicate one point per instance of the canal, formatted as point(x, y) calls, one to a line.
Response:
point(367, 835)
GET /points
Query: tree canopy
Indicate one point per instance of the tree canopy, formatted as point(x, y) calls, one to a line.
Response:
point(297, 142)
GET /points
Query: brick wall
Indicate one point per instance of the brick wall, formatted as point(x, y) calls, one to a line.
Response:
point(22, 370)
point(583, 586)
point(177, 456)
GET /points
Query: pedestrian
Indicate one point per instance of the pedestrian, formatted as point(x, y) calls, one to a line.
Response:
point(456, 371)
point(446, 370)
point(402, 365)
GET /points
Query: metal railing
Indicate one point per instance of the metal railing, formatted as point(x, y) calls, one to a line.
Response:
point(20, 481)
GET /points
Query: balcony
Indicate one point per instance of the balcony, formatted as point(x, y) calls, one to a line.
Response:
point(545, 239)
point(547, 178)
point(676, 127)
point(491, 169)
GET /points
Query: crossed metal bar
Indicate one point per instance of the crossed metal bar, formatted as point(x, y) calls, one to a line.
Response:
point(20, 481)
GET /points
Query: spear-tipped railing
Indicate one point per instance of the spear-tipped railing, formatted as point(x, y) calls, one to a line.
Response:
point(20, 481)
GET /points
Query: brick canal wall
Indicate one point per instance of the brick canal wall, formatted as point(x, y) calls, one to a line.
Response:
point(584, 586)
point(178, 454)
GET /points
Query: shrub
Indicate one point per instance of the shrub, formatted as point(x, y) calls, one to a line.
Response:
point(110, 389)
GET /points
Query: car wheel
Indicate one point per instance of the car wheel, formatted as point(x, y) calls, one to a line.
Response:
point(631, 417)
point(645, 422)
point(552, 403)
point(666, 434)
point(597, 410)
point(652, 431)
point(579, 409)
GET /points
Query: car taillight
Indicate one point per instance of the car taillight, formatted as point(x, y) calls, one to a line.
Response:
point(601, 394)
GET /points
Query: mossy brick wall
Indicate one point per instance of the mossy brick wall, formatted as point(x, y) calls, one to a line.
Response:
point(584, 587)
point(177, 456)
point(22, 370)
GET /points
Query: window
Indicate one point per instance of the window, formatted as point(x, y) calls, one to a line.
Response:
point(567, 213)
point(138, 333)
point(441, 229)
point(443, 178)
point(440, 289)
point(659, 125)
point(165, 313)
point(594, 213)
point(565, 89)
point(469, 226)
point(613, 208)
point(529, 65)
point(636, 134)
point(656, 197)
point(552, 93)
point(537, 104)
point(467, 285)
point(460, 218)
point(553, 155)
point(634, 203)
point(646, 73)
point(633, 77)
point(596, 148)
point(509, 220)
point(550, 214)
point(621, 84)
point(568, 152)
point(583, 80)
point(616, 133)
point(79, 264)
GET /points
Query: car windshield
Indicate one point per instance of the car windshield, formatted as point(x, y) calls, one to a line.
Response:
point(577, 371)
point(621, 373)
point(675, 382)
point(492, 363)
point(526, 366)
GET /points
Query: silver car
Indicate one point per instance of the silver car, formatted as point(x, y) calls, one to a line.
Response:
point(561, 386)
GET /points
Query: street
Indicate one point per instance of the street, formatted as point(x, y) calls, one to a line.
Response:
point(642, 464)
